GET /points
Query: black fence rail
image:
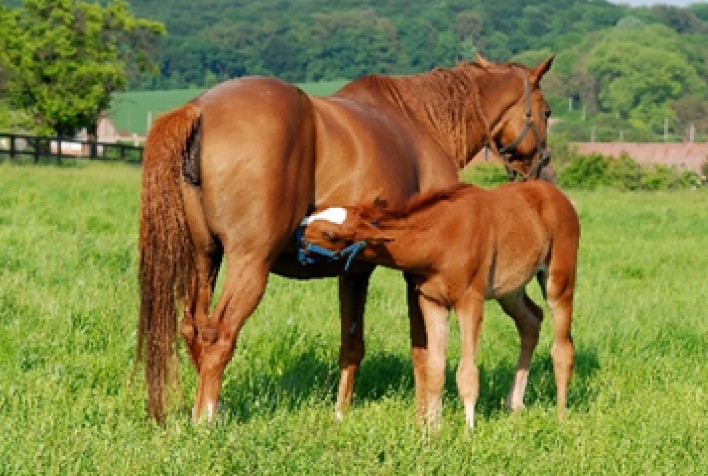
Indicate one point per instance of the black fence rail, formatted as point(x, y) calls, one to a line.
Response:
point(22, 147)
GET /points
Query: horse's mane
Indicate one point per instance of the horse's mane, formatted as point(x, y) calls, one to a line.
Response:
point(444, 100)
point(416, 204)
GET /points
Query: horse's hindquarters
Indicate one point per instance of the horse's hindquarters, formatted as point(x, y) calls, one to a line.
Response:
point(257, 162)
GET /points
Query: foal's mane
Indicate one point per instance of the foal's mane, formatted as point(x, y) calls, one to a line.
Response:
point(383, 217)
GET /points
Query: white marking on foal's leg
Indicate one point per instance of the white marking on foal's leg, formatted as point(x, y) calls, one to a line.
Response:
point(515, 399)
point(469, 415)
point(433, 416)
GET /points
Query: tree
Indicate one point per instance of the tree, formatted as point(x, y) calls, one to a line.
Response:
point(640, 71)
point(70, 57)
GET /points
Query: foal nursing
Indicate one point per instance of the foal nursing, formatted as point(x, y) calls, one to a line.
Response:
point(466, 244)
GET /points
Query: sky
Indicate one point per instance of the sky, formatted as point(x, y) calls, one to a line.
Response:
point(636, 3)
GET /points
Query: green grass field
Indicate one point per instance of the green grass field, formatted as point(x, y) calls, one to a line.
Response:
point(68, 313)
point(130, 110)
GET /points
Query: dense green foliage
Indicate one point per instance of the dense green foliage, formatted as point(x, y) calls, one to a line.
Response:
point(640, 67)
point(595, 170)
point(635, 74)
point(68, 314)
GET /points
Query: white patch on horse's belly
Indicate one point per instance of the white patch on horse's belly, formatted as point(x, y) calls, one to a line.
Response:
point(333, 214)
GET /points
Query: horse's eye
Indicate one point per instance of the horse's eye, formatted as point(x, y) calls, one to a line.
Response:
point(547, 113)
point(329, 236)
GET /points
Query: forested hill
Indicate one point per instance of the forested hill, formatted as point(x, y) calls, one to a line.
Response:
point(617, 69)
point(311, 40)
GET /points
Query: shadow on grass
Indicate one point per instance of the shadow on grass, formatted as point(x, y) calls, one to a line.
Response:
point(308, 380)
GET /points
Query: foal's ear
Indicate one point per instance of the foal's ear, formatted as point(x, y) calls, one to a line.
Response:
point(378, 240)
point(538, 72)
point(482, 61)
point(373, 235)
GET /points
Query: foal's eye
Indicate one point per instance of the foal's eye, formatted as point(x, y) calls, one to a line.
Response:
point(547, 113)
point(328, 236)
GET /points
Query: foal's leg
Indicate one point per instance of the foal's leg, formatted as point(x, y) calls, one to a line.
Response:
point(560, 288)
point(469, 311)
point(436, 327)
point(352, 298)
point(561, 283)
point(527, 317)
point(244, 285)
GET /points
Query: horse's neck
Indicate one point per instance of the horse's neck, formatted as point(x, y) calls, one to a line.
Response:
point(435, 100)
point(459, 106)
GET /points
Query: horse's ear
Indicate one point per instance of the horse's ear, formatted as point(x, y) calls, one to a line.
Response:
point(538, 72)
point(482, 61)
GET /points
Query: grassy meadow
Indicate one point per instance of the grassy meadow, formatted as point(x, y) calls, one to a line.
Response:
point(70, 405)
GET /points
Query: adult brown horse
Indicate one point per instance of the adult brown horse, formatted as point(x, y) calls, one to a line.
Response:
point(231, 174)
point(464, 245)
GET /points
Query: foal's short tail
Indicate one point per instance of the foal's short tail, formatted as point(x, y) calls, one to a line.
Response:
point(166, 249)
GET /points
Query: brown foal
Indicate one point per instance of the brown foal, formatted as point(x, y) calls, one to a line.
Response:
point(465, 244)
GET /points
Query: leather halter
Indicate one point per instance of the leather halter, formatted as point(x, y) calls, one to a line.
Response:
point(308, 253)
point(505, 153)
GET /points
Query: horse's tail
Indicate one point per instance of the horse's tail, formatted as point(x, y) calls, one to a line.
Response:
point(166, 248)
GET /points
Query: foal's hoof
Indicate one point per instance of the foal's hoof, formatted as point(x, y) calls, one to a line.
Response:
point(513, 406)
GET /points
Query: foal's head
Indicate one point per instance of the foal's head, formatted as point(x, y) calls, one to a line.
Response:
point(354, 224)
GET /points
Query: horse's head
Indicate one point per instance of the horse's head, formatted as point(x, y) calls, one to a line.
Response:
point(519, 136)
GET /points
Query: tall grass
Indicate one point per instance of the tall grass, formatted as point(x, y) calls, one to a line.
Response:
point(69, 404)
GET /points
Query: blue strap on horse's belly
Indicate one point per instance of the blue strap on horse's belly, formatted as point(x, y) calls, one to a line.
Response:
point(308, 254)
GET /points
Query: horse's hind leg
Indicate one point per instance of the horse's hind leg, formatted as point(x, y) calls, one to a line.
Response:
point(419, 346)
point(198, 302)
point(527, 317)
point(352, 298)
point(208, 254)
point(243, 287)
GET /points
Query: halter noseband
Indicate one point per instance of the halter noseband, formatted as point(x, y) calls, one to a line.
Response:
point(544, 154)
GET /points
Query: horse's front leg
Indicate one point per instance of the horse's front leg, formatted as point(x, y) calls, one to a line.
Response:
point(419, 346)
point(352, 300)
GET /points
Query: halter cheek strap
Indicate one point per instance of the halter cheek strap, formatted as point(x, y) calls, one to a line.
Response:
point(308, 253)
point(544, 155)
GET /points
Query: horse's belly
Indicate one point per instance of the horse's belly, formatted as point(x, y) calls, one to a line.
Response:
point(287, 266)
point(509, 278)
